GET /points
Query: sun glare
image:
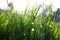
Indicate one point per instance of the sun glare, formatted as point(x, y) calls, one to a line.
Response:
point(3, 4)
point(21, 4)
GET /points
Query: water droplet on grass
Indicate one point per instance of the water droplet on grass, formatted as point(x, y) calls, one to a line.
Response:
point(32, 29)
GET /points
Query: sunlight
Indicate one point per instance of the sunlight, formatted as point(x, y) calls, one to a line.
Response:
point(3, 4)
point(20, 5)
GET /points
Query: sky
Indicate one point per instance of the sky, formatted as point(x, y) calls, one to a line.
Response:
point(21, 4)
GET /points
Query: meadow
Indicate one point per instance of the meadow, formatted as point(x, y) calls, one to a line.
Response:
point(28, 26)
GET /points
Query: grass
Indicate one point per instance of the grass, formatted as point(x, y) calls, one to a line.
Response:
point(28, 26)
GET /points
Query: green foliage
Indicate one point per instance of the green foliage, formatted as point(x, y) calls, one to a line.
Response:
point(28, 26)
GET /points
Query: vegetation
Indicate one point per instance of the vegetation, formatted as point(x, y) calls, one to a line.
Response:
point(29, 26)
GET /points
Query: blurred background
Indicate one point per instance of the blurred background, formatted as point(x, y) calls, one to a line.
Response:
point(29, 19)
point(20, 5)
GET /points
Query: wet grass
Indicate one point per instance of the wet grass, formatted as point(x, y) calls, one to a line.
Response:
point(28, 26)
